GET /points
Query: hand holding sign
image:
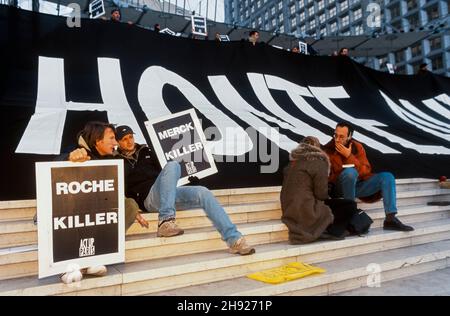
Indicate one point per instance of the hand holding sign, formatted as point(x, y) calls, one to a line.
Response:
point(79, 155)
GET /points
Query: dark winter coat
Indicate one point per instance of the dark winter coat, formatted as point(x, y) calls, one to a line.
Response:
point(305, 187)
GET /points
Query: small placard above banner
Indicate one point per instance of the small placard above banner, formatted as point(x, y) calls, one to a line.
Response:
point(390, 68)
point(80, 211)
point(96, 9)
point(224, 38)
point(169, 31)
point(179, 137)
point(199, 25)
point(303, 48)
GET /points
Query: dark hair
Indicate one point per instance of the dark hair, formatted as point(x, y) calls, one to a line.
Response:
point(252, 32)
point(423, 65)
point(348, 125)
point(94, 131)
point(114, 10)
point(342, 50)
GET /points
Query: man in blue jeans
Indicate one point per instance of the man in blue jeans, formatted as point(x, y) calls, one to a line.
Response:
point(156, 190)
point(350, 173)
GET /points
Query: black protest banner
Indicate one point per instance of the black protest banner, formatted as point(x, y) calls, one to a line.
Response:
point(80, 215)
point(179, 137)
point(56, 78)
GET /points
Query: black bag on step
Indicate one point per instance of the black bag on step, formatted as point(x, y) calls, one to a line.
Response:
point(360, 223)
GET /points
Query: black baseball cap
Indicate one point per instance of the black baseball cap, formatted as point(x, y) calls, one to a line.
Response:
point(122, 131)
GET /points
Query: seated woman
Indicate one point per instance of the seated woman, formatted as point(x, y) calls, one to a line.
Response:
point(305, 187)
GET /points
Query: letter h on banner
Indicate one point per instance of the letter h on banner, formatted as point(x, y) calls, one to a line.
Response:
point(199, 25)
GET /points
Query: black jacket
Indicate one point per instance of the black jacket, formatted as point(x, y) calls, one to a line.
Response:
point(141, 170)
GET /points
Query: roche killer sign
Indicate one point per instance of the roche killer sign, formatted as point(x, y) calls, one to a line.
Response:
point(80, 210)
point(179, 137)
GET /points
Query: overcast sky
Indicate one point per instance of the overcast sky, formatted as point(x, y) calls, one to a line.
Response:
point(200, 7)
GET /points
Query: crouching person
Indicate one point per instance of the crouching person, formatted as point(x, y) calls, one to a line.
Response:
point(98, 141)
point(305, 187)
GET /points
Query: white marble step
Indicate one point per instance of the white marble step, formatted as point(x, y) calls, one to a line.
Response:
point(341, 274)
point(170, 273)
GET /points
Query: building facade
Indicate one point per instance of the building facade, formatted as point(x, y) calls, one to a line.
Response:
point(315, 18)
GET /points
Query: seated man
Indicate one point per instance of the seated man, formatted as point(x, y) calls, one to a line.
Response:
point(357, 180)
point(156, 190)
point(97, 141)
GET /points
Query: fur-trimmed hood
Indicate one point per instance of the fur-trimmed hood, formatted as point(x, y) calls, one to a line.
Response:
point(309, 153)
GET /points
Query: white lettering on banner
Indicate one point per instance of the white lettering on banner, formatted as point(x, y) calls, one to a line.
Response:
point(427, 120)
point(325, 94)
point(436, 107)
point(262, 92)
point(175, 131)
point(231, 99)
point(44, 131)
point(75, 187)
point(404, 116)
point(76, 221)
point(151, 99)
point(173, 154)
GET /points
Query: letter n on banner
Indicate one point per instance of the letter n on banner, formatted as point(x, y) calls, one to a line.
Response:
point(81, 214)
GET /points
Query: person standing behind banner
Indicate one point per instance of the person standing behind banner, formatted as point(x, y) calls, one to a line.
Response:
point(351, 175)
point(156, 190)
point(97, 141)
point(305, 187)
point(253, 37)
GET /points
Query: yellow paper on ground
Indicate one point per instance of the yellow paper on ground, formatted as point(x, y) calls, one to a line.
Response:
point(288, 272)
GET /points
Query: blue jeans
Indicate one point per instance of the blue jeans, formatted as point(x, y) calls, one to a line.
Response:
point(166, 198)
point(349, 187)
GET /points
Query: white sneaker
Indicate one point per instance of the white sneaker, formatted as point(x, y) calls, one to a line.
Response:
point(71, 277)
point(95, 271)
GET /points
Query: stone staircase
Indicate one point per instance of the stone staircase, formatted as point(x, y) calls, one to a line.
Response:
point(197, 262)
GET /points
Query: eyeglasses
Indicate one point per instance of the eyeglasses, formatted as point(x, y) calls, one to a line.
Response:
point(339, 136)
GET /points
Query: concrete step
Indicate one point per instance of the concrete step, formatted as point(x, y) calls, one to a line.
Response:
point(432, 283)
point(341, 275)
point(22, 261)
point(25, 209)
point(170, 273)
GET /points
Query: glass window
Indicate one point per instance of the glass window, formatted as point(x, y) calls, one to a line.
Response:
point(433, 13)
point(321, 4)
point(333, 27)
point(322, 18)
point(301, 4)
point(302, 16)
point(292, 9)
point(345, 21)
point(416, 50)
point(323, 31)
point(437, 62)
point(293, 22)
point(332, 12)
point(435, 43)
point(359, 30)
point(312, 24)
point(311, 11)
point(272, 10)
point(344, 5)
point(280, 5)
point(282, 29)
point(411, 4)
point(357, 14)
point(280, 18)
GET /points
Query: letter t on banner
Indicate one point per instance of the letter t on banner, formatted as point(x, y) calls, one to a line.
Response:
point(199, 25)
